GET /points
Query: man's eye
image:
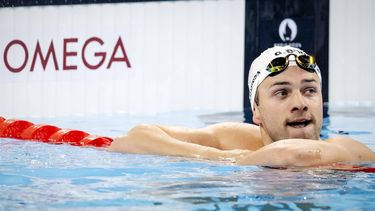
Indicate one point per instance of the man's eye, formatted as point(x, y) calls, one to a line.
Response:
point(310, 90)
point(281, 93)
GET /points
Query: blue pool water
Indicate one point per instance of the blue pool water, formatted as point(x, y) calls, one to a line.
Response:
point(38, 176)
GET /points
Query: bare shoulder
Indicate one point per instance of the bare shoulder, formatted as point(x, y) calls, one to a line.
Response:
point(242, 129)
point(235, 126)
point(345, 141)
point(236, 135)
point(354, 146)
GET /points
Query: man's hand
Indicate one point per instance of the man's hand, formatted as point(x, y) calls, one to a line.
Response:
point(307, 153)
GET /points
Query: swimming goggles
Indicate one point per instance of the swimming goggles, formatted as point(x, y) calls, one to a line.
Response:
point(304, 61)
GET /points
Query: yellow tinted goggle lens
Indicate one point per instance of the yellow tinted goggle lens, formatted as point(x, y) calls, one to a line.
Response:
point(306, 62)
point(281, 63)
point(278, 64)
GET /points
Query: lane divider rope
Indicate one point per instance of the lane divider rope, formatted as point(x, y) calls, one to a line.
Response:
point(25, 130)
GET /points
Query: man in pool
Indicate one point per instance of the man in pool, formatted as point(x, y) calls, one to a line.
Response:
point(286, 100)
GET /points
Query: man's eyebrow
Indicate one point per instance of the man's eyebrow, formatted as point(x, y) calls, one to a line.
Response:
point(309, 80)
point(280, 83)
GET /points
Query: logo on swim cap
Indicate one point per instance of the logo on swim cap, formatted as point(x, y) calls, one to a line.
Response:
point(251, 85)
point(288, 30)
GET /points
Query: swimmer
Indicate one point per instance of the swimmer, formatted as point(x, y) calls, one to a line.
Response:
point(286, 101)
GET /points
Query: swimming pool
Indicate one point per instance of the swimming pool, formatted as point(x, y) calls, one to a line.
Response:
point(36, 176)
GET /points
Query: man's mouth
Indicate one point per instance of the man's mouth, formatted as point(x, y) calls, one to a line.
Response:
point(299, 123)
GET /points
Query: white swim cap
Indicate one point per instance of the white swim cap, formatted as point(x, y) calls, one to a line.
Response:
point(258, 70)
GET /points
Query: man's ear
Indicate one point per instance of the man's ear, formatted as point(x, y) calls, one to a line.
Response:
point(256, 115)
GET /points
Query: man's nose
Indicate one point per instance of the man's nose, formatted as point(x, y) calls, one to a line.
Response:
point(298, 102)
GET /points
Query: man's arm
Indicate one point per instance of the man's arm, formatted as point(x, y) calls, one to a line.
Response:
point(176, 141)
point(358, 149)
point(224, 136)
point(304, 153)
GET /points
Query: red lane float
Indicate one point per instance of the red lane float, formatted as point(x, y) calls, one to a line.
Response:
point(39, 132)
point(24, 130)
point(2, 119)
point(11, 128)
point(72, 137)
point(367, 169)
point(96, 141)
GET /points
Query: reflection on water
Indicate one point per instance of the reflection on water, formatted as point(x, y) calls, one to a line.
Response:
point(268, 189)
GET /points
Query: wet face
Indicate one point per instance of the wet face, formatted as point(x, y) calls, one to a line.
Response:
point(290, 106)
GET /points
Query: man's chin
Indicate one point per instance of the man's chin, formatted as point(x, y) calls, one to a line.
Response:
point(301, 136)
point(302, 133)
